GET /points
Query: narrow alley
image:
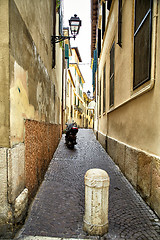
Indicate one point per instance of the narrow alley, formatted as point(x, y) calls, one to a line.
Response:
point(58, 208)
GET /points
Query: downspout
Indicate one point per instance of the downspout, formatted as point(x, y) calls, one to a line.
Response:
point(62, 88)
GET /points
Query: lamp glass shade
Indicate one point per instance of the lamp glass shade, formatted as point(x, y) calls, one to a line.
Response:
point(74, 24)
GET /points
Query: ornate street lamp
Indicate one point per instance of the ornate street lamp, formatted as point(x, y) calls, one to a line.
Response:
point(75, 24)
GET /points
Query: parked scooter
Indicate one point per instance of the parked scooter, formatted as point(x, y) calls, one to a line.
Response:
point(70, 137)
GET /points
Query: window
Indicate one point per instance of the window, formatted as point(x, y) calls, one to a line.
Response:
point(60, 19)
point(120, 23)
point(94, 69)
point(104, 88)
point(67, 89)
point(142, 42)
point(103, 18)
point(54, 33)
point(67, 54)
point(109, 2)
point(71, 111)
point(100, 97)
point(99, 42)
point(111, 103)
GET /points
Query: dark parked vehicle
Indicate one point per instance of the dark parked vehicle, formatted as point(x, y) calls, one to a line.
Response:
point(71, 137)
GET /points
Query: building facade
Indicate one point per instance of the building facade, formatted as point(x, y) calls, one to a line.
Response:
point(74, 81)
point(30, 102)
point(125, 48)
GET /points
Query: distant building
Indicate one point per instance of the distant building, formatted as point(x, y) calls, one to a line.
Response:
point(74, 81)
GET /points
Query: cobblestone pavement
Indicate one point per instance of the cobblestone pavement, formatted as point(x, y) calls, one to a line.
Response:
point(58, 208)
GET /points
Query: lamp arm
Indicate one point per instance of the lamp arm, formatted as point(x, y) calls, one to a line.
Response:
point(57, 39)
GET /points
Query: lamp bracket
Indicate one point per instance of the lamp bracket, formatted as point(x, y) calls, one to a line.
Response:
point(57, 39)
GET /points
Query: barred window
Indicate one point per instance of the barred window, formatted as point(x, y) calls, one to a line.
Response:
point(142, 42)
point(111, 103)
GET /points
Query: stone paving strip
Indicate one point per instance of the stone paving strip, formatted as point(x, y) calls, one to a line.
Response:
point(58, 208)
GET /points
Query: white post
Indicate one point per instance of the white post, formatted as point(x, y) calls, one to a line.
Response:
point(96, 202)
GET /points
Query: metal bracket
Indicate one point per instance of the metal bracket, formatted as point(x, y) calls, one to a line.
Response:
point(57, 39)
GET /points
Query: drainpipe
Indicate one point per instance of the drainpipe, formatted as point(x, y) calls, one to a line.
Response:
point(62, 88)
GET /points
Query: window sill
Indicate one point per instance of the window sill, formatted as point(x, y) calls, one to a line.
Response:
point(134, 95)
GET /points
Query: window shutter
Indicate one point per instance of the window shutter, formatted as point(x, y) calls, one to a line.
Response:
point(66, 51)
point(112, 75)
point(68, 63)
point(99, 42)
point(60, 20)
point(94, 69)
point(120, 23)
point(104, 88)
point(103, 18)
point(54, 32)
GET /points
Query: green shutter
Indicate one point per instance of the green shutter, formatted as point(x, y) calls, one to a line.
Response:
point(68, 63)
point(66, 51)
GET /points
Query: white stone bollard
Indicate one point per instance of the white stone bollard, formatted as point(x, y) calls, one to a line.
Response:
point(95, 220)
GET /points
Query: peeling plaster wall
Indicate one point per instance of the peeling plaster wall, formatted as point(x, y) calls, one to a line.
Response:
point(37, 16)
point(4, 74)
point(35, 95)
point(5, 210)
point(30, 104)
point(31, 84)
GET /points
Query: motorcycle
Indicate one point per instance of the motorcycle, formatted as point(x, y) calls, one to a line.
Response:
point(71, 137)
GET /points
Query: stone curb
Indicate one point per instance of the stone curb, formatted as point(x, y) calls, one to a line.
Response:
point(47, 238)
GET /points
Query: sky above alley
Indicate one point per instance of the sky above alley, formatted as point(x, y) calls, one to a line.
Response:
point(83, 40)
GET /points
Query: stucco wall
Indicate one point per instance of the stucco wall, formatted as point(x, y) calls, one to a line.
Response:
point(32, 89)
point(4, 74)
point(134, 113)
point(39, 26)
point(30, 104)
point(132, 124)
point(35, 88)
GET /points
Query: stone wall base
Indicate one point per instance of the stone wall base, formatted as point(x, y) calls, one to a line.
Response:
point(13, 196)
point(140, 168)
point(22, 170)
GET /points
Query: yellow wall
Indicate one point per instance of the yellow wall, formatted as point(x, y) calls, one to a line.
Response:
point(35, 88)
point(40, 26)
point(134, 113)
point(130, 130)
point(4, 74)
